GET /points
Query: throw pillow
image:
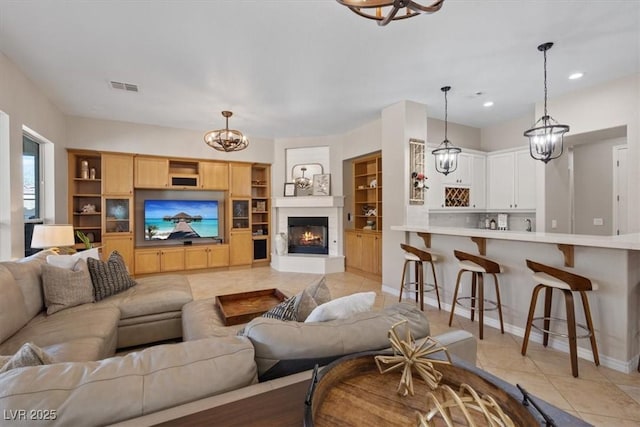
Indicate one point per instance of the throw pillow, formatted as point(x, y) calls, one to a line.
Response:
point(314, 295)
point(64, 288)
point(283, 311)
point(69, 261)
point(110, 277)
point(28, 355)
point(342, 308)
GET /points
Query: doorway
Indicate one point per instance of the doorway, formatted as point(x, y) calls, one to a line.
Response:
point(620, 187)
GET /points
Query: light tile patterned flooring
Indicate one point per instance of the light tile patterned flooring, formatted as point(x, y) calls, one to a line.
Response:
point(600, 396)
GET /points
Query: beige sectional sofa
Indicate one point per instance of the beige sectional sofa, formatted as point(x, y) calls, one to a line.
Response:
point(86, 386)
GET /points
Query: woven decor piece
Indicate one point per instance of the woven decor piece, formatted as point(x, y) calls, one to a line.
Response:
point(409, 355)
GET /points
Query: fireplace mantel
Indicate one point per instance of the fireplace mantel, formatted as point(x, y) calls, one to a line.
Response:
point(308, 202)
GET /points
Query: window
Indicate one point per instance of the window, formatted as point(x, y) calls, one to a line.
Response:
point(31, 178)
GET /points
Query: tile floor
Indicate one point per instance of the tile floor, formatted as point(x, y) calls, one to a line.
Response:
point(600, 396)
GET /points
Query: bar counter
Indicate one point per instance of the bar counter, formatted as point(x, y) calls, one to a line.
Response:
point(613, 262)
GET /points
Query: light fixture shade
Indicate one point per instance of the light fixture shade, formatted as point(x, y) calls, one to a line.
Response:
point(446, 155)
point(226, 139)
point(385, 11)
point(546, 136)
point(546, 139)
point(52, 235)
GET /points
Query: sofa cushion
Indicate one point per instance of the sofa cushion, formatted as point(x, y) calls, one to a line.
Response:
point(152, 295)
point(27, 274)
point(286, 310)
point(342, 308)
point(119, 388)
point(283, 348)
point(64, 288)
point(201, 319)
point(28, 355)
point(109, 277)
point(83, 321)
point(13, 311)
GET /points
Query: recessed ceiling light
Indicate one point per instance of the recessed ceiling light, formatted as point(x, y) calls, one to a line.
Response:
point(488, 104)
point(575, 76)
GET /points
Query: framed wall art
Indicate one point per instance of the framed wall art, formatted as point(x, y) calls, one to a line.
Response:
point(322, 184)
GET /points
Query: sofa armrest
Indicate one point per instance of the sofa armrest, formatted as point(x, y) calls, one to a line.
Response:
point(459, 343)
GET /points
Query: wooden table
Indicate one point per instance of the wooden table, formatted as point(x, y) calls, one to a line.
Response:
point(282, 407)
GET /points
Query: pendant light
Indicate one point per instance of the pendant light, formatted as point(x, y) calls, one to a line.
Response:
point(226, 139)
point(385, 11)
point(546, 135)
point(446, 154)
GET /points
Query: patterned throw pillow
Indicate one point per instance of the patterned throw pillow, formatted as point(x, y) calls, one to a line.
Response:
point(65, 288)
point(314, 295)
point(284, 311)
point(28, 355)
point(110, 277)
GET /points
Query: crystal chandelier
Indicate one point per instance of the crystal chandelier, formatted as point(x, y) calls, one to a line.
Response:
point(226, 139)
point(547, 135)
point(385, 11)
point(446, 154)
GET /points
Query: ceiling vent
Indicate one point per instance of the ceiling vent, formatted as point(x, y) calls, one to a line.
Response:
point(130, 87)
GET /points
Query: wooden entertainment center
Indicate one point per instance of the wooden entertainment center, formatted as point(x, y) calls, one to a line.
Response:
point(103, 187)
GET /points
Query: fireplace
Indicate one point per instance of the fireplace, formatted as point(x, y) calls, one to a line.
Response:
point(308, 235)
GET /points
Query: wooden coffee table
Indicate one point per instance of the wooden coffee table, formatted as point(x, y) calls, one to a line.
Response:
point(243, 306)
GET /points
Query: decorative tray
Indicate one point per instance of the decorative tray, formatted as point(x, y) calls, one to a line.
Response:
point(244, 306)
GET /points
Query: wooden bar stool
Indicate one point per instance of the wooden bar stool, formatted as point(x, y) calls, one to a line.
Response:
point(550, 278)
point(417, 257)
point(478, 267)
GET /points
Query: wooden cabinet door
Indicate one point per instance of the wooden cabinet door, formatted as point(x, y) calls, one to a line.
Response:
point(172, 259)
point(214, 175)
point(196, 257)
point(117, 174)
point(147, 261)
point(377, 254)
point(151, 172)
point(218, 256)
point(122, 244)
point(240, 248)
point(353, 249)
point(240, 179)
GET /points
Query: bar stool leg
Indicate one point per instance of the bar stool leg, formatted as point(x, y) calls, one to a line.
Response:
point(420, 283)
point(481, 303)
point(474, 284)
point(548, 293)
point(495, 282)
point(571, 326)
point(455, 297)
point(532, 309)
point(402, 282)
point(435, 284)
point(592, 338)
point(415, 277)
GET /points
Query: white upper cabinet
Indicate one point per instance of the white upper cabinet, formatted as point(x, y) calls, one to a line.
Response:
point(511, 181)
point(463, 174)
point(470, 176)
point(479, 182)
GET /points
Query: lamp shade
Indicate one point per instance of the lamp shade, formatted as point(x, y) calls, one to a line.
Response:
point(52, 235)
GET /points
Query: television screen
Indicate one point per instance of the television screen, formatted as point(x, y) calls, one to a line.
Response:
point(180, 219)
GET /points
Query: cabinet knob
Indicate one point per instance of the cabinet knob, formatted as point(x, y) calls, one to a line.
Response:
point(516, 205)
point(510, 206)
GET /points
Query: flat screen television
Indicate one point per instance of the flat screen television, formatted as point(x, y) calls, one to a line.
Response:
point(180, 219)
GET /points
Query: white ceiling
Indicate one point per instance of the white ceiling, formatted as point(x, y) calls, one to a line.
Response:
point(311, 67)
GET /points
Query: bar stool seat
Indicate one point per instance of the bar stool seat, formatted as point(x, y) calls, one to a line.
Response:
point(550, 278)
point(418, 257)
point(478, 267)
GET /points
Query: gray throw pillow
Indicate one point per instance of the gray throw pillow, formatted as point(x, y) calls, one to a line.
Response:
point(314, 295)
point(64, 288)
point(110, 277)
point(28, 355)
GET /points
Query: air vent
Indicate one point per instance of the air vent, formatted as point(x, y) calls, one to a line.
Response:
point(130, 87)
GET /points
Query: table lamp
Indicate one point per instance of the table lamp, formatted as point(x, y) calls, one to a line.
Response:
point(52, 236)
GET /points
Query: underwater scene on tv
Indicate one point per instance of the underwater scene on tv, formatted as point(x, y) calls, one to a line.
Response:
point(180, 219)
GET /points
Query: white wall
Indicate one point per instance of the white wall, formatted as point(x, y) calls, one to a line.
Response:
point(509, 134)
point(459, 135)
point(26, 105)
point(110, 135)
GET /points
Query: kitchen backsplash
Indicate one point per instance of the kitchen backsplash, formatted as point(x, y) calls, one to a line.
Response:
point(517, 221)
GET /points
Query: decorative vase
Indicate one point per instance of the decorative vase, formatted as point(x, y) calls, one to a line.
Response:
point(281, 243)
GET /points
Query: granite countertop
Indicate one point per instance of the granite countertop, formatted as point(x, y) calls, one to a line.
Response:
point(625, 241)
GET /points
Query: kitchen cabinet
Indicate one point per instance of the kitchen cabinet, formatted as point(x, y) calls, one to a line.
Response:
point(156, 260)
point(465, 188)
point(240, 179)
point(206, 256)
point(363, 251)
point(240, 248)
point(123, 244)
point(214, 175)
point(463, 174)
point(117, 174)
point(512, 181)
point(151, 172)
point(478, 188)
